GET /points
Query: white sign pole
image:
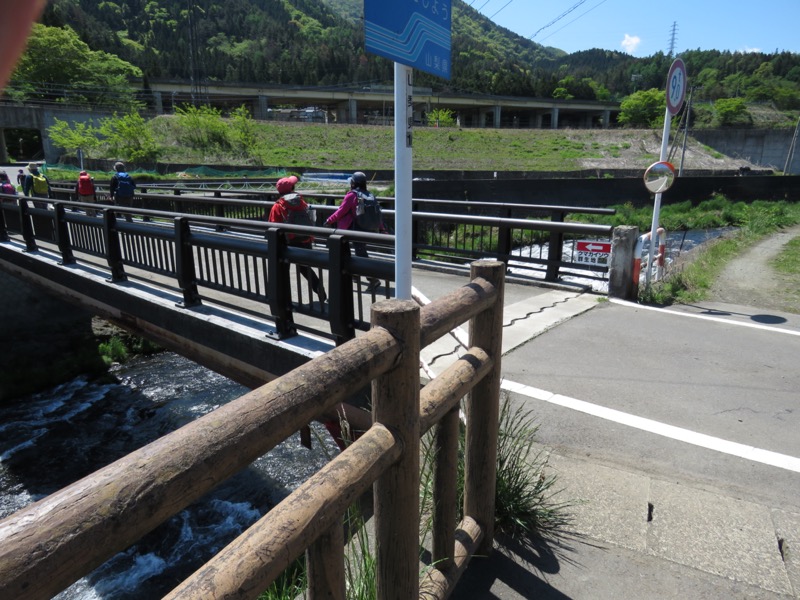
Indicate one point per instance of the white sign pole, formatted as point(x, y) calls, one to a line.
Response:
point(657, 203)
point(403, 170)
point(676, 92)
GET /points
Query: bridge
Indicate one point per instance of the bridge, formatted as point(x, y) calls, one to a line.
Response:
point(215, 250)
point(219, 290)
point(667, 474)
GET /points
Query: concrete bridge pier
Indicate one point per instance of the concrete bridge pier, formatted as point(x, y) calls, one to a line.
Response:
point(3, 150)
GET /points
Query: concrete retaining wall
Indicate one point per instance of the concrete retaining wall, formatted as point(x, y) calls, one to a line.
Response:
point(765, 147)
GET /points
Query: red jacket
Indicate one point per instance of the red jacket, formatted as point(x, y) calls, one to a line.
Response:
point(280, 213)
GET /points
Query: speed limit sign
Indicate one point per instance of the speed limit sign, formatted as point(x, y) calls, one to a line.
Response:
point(676, 86)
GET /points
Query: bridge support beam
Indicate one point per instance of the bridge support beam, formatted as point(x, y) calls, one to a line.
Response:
point(262, 108)
point(3, 148)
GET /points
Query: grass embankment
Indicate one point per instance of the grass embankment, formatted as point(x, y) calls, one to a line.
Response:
point(370, 147)
point(216, 141)
point(692, 280)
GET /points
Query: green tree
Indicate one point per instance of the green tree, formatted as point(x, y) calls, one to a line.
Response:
point(130, 138)
point(202, 128)
point(561, 93)
point(441, 117)
point(244, 130)
point(57, 66)
point(74, 137)
point(644, 108)
point(729, 112)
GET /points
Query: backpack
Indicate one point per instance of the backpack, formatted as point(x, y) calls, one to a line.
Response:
point(298, 213)
point(85, 185)
point(40, 185)
point(125, 185)
point(7, 188)
point(368, 212)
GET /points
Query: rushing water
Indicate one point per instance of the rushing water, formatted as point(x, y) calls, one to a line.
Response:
point(52, 439)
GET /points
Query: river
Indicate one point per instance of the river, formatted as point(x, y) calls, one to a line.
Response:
point(51, 439)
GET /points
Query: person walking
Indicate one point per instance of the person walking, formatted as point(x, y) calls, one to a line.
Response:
point(122, 188)
point(347, 217)
point(6, 186)
point(36, 185)
point(292, 208)
point(85, 191)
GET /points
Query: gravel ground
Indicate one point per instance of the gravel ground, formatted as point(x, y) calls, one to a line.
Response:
point(750, 280)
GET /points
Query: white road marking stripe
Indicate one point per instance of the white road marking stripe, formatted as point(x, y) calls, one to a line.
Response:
point(705, 317)
point(767, 457)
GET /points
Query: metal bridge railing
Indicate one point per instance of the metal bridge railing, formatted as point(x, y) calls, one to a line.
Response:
point(209, 244)
point(445, 230)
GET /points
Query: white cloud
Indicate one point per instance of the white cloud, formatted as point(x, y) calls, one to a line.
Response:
point(748, 50)
point(630, 43)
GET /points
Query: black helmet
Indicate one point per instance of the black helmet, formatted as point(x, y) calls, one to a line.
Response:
point(358, 180)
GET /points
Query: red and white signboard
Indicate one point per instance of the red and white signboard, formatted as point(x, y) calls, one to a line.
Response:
point(592, 252)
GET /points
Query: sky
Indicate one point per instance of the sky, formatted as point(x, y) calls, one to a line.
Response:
point(643, 28)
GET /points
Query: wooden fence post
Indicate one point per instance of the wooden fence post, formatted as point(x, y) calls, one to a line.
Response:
point(444, 490)
point(395, 397)
point(483, 409)
point(325, 561)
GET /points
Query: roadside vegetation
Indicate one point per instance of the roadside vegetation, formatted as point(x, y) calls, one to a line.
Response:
point(690, 280)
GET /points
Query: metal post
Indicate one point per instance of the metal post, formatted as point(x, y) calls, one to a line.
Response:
point(403, 119)
point(657, 203)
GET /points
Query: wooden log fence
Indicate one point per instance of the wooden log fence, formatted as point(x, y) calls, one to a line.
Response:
point(48, 545)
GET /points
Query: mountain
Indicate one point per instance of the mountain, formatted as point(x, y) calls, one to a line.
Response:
point(321, 43)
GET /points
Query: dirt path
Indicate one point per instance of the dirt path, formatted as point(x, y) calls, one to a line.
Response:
point(750, 280)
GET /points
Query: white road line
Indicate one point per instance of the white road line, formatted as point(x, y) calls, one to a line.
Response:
point(782, 461)
point(705, 317)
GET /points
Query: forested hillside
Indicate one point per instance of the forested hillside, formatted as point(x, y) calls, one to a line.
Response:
point(321, 43)
point(86, 52)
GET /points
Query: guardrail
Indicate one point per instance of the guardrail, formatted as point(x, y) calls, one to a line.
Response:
point(229, 255)
point(50, 544)
point(446, 230)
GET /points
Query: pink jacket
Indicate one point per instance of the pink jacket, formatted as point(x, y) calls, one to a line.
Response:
point(345, 215)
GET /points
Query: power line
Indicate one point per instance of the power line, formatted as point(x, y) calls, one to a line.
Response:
point(559, 17)
point(495, 14)
point(573, 20)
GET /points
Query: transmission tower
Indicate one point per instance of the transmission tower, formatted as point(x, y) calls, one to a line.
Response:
point(673, 37)
point(195, 60)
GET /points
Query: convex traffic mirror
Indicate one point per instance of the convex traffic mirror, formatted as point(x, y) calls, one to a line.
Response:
point(659, 177)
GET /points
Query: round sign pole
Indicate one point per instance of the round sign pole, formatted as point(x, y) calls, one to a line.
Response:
point(676, 92)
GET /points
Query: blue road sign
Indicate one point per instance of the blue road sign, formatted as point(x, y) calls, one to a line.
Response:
point(415, 33)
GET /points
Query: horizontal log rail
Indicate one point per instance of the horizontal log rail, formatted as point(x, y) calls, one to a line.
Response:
point(48, 545)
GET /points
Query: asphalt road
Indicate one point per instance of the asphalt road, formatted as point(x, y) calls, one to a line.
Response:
point(713, 370)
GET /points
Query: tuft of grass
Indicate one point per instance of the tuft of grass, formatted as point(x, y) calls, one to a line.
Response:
point(524, 499)
point(525, 503)
point(788, 261)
